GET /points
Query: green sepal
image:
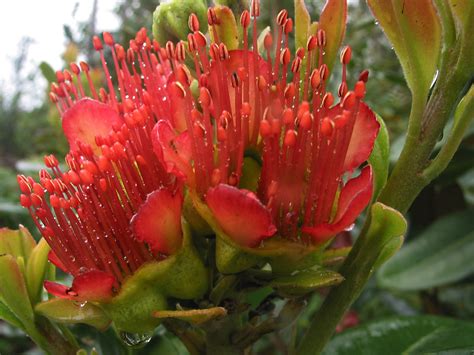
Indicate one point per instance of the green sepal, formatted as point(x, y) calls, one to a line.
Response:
point(170, 19)
point(193, 316)
point(131, 310)
point(305, 281)
point(226, 30)
point(182, 276)
point(232, 260)
point(36, 268)
point(72, 312)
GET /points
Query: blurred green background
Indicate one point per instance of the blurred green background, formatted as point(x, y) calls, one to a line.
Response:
point(28, 132)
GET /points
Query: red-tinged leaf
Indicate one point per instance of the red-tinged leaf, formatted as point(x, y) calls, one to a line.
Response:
point(172, 149)
point(240, 214)
point(86, 120)
point(463, 11)
point(354, 197)
point(333, 21)
point(226, 28)
point(363, 138)
point(302, 23)
point(53, 259)
point(414, 30)
point(93, 286)
point(158, 221)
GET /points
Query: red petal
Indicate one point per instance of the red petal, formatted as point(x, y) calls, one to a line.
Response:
point(53, 259)
point(172, 149)
point(240, 214)
point(57, 290)
point(94, 285)
point(88, 119)
point(158, 221)
point(354, 197)
point(363, 137)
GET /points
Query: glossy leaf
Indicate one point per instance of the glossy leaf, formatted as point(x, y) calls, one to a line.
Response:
point(306, 281)
point(333, 21)
point(380, 158)
point(404, 335)
point(414, 30)
point(72, 312)
point(439, 255)
point(226, 30)
point(193, 316)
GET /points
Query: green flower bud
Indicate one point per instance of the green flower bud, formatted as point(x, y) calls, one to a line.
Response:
point(170, 20)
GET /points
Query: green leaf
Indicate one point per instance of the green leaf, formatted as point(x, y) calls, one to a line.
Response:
point(306, 281)
point(413, 28)
point(440, 255)
point(13, 290)
point(386, 224)
point(48, 72)
point(36, 268)
point(333, 21)
point(380, 158)
point(226, 30)
point(193, 316)
point(404, 335)
point(8, 316)
point(18, 243)
point(71, 312)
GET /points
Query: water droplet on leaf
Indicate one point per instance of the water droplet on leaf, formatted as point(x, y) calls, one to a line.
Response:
point(135, 339)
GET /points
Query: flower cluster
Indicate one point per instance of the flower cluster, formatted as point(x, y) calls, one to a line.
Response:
point(250, 133)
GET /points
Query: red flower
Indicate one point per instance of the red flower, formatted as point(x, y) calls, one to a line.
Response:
point(310, 146)
point(115, 208)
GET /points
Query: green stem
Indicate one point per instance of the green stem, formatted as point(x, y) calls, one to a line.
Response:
point(50, 339)
point(219, 337)
point(356, 270)
point(409, 177)
point(463, 118)
point(426, 126)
